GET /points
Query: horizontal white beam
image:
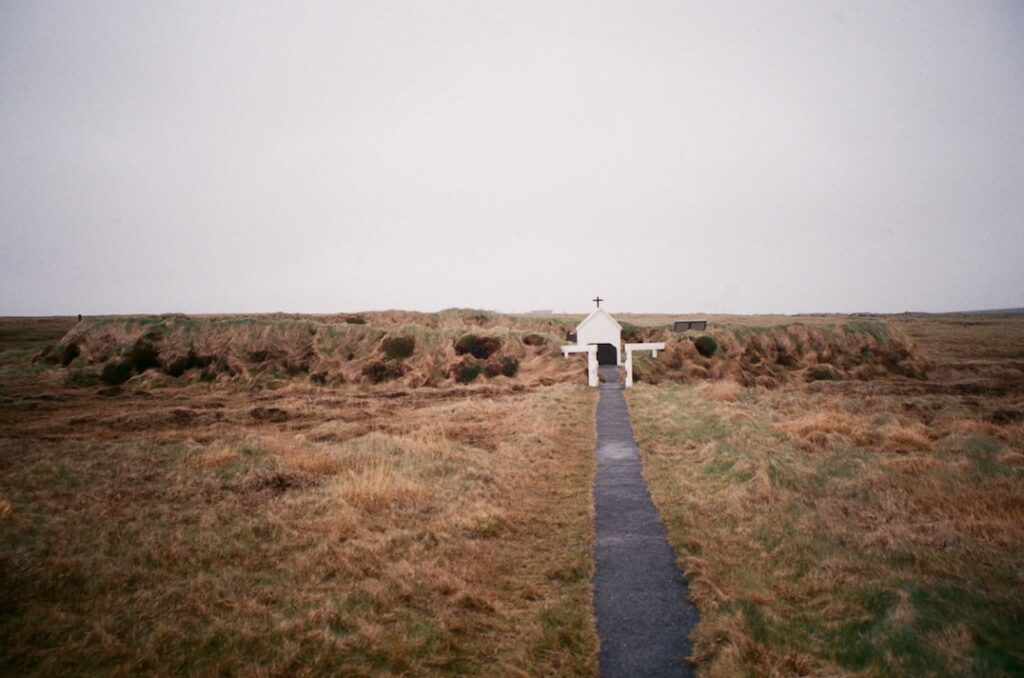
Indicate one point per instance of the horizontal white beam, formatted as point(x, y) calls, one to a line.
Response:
point(656, 346)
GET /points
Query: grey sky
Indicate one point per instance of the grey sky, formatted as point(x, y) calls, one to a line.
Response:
point(719, 157)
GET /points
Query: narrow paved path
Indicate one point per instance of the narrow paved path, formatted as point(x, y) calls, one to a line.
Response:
point(643, 617)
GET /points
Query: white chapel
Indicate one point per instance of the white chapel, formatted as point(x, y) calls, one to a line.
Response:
point(599, 336)
point(602, 330)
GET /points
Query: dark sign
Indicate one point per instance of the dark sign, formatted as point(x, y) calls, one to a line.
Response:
point(683, 325)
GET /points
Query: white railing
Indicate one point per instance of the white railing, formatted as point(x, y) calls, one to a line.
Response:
point(591, 351)
point(652, 347)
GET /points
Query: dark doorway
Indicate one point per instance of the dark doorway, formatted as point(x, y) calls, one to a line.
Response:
point(606, 355)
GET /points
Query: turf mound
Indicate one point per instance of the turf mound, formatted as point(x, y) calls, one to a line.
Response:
point(397, 348)
point(770, 356)
point(324, 350)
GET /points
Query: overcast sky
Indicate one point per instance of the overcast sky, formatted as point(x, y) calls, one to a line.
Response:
point(669, 156)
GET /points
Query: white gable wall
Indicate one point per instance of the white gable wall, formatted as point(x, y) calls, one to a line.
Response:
point(600, 328)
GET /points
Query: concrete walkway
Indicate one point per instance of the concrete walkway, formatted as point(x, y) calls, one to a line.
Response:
point(643, 617)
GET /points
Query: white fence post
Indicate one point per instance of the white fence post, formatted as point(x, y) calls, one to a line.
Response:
point(652, 347)
point(591, 352)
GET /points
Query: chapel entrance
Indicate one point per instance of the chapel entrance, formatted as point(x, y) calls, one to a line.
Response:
point(606, 355)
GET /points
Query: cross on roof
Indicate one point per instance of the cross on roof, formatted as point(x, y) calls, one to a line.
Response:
point(598, 301)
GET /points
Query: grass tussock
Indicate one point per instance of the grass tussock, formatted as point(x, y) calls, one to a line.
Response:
point(477, 346)
point(398, 348)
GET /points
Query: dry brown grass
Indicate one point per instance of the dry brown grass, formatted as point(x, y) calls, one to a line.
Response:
point(259, 524)
point(722, 391)
point(210, 528)
point(848, 527)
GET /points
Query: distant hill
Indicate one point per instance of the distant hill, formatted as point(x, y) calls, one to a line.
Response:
point(996, 311)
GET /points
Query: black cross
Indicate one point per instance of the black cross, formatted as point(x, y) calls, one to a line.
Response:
point(598, 300)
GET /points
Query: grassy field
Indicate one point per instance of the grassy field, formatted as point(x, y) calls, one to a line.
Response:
point(272, 507)
point(211, 528)
point(852, 527)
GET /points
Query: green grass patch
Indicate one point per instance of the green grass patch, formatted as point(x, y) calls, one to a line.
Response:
point(879, 331)
point(116, 372)
point(480, 347)
point(705, 345)
point(398, 348)
point(468, 372)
